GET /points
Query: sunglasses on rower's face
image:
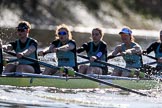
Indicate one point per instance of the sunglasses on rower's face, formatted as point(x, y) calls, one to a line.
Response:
point(21, 30)
point(62, 33)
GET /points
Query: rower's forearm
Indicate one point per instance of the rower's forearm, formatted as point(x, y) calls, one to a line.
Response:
point(66, 47)
point(134, 50)
point(29, 51)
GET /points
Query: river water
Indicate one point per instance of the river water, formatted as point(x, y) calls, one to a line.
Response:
point(48, 97)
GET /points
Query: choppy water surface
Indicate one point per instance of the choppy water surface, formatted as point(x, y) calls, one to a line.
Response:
point(37, 97)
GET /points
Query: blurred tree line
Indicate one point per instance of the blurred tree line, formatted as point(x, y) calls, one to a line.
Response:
point(58, 9)
point(149, 8)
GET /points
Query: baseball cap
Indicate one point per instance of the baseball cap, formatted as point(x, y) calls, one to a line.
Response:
point(126, 31)
point(23, 25)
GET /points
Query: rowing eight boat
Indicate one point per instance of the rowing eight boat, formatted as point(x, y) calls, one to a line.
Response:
point(79, 81)
point(29, 79)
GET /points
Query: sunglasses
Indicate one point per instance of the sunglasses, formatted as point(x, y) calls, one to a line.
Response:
point(62, 33)
point(21, 30)
point(95, 34)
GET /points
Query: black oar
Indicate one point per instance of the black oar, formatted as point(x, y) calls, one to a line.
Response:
point(111, 57)
point(108, 64)
point(84, 62)
point(150, 57)
point(82, 75)
point(1, 61)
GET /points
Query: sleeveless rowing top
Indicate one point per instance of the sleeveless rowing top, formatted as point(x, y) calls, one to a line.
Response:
point(65, 58)
point(19, 49)
point(94, 53)
point(132, 60)
point(158, 54)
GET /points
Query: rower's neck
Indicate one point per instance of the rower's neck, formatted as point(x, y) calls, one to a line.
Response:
point(23, 40)
point(96, 43)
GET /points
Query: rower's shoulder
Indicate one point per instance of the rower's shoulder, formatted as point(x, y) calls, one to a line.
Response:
point(33, 40)
point(103, 42)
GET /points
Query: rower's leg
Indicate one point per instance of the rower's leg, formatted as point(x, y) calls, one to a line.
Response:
point(117, 72)
point(94, 70)
point(49, 71)
point(83, 69)
point(10, 68)
point(25, 68)
point(126, 74)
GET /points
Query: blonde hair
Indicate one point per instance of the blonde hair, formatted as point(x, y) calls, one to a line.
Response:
point(66, 27)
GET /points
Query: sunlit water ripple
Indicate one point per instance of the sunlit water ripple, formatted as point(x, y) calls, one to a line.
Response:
point(24, 97)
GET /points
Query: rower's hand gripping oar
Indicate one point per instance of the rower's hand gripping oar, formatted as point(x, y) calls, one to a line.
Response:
point(81, 75)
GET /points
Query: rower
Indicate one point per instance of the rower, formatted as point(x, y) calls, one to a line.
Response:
point(156, 47)
point(96, 50)
point(64, 47)
point(23, 46)
point(130, 51)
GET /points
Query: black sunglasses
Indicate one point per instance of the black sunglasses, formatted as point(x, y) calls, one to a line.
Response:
point(62, 33)
point(21, 30)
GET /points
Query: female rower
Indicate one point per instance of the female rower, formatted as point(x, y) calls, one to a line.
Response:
point(23, 46)
point(157, 48)
point(130, 51)
point(95, 49)
point(65, 49)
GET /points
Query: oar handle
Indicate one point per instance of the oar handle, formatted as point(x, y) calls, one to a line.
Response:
point(111, 57)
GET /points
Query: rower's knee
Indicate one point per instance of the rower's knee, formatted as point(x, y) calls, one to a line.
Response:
point(94, 70)
point(10, 68)
point(83, 69)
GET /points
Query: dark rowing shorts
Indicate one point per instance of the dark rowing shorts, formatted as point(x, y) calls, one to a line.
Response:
point(36, 67)
point(104, 70)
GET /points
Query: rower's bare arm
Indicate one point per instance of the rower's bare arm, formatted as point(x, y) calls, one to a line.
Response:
point(116, 51)
point(135, 50)
point(66, 47)
point(46, 50)
point(29, 51)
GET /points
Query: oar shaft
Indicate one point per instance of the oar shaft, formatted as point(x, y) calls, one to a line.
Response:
point(110, 84)
point(1, 61)
point(150, 57)
point(84, 62)
point(111, 57)
point(107, 64)
point(34, 60)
